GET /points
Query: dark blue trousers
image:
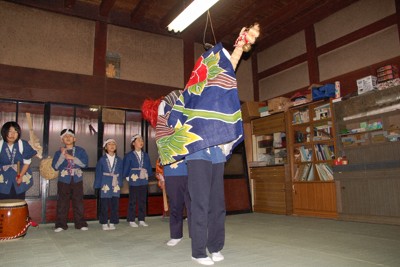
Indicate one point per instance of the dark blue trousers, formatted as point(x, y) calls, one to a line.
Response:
point(137, 195)
point(206, 189)
point(111, 204)
point(178, 198)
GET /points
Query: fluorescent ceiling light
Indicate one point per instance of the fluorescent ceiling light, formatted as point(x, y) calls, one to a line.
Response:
point(190, 14)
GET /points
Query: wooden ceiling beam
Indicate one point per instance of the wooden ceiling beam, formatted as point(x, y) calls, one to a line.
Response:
point(173, 13)
point(69, 3)
point(241, 20)
point(293, 9)
point(105, 7)
point(138, 12)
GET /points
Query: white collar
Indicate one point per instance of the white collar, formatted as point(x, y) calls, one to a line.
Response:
point(109, 156)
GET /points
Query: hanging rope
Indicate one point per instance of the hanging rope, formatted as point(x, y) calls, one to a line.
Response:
point(208, 45)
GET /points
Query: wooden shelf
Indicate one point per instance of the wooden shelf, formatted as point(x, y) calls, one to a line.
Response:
point(271, 184)
point(311, 161)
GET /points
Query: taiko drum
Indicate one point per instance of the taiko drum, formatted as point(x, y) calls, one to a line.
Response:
point(14, 216)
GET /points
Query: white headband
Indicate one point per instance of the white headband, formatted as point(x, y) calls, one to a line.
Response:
point(67, 132)
point(135, 137)
point(108, 141)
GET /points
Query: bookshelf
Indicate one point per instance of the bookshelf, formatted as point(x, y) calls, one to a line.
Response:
point(268, 164)
point(312, 150)
point(368, 135)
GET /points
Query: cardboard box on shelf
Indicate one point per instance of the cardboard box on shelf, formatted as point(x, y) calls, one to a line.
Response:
point(250, 110)
point(388, 84)
point(387, 77)
point(307, 99)
point(366, 84)
point(387, 67)
point(278, 104)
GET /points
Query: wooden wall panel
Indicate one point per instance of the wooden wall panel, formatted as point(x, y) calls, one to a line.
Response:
point(35, 209)
point(154, 206)
point(50, 86)
point(237, 198)
point(90, 209)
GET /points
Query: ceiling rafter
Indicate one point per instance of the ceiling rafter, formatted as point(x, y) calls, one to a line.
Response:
point(239, 21)
point(278, 19)
point(173, 13)
point(69, 3)
point(139, 11)
point(105, 7)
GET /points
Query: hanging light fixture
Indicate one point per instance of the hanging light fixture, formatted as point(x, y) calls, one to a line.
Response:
point(190, 14)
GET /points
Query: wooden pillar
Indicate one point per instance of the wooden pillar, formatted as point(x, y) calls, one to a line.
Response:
point(312, 57)
point(398, 16)
point(188, 58)
point(254, 70)
point(100, 48)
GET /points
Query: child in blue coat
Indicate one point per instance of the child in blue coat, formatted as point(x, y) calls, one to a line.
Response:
point(69, 161)
point(108, 180)
point(137, 169)
point(15, 159)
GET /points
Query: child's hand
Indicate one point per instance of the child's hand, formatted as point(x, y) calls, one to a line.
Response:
point(64, 151)
point(68, 156)
point(19, 179)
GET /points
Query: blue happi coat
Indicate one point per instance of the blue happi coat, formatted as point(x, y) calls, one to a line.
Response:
point(137, 171)
point(207, 113)
point(8, 166)
point(108, 178)
point(70, 169)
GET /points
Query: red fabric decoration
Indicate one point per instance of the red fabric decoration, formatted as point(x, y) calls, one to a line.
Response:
point(150, 111)
point(199, 73)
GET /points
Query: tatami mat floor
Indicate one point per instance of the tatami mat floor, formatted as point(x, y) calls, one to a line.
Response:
point(252, 239)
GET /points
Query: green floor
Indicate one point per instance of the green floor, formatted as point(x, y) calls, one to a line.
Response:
point(251, 240)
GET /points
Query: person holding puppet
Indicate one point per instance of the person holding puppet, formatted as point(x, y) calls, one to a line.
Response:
point(203, 127)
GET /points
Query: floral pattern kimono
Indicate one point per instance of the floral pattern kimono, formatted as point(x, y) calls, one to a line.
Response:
point(206, 114)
